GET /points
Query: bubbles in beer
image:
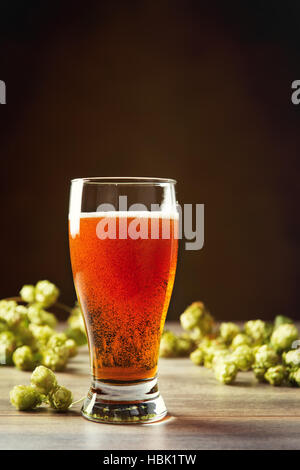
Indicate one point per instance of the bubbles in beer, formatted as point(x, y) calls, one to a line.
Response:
point(124, 286)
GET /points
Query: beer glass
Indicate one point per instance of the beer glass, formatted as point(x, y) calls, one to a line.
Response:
point(123, 235)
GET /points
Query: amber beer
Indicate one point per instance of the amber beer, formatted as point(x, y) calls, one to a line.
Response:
point(124, 287)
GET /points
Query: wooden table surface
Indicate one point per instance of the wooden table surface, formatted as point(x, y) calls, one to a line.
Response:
point(203, 414)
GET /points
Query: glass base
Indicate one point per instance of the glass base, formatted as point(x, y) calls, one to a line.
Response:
point(124, 403)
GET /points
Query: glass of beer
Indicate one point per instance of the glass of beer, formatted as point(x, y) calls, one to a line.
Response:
point(123, 235)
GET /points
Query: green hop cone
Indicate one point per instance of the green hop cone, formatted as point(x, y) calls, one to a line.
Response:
point(76, 310)
point(243, 357)
point(276, 375)
point(266, 357)
point(6, 306)
point(57, 340)
point(205, 342)
point(281, 320)
point(42, 333)
point(256, 348)
point(12, 313)
point(8, 337)
point(8, 344)
point(55, 360)
point(27, 293)
point(240, 340)
point(24, 336)
point(197, 316)
point(259, 373)
point(77, 335)
point(284, 336)
point(218, 343)
point(76, 330)
point(225, 371)
point(61, 399)
point(23, 312)
point(38, 316)
point(24, 358)
point(43, 380)
point(196, 335)
point(25, 397)
point(222, 354)
point(60, 340)
point(228, 331)
point(258, 330)
point(185, 345)
point(197, 357)
point(168, 344)
point(294, 377)
point(292, 359)
point(71, 346)
point(211, 351)
point(46, 293)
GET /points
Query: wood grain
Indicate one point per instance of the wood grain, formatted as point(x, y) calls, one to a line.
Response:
point(203, 414)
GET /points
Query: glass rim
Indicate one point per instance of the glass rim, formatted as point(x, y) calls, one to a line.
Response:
point(129, 180)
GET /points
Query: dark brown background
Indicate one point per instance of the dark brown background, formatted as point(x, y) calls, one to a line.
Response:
point(171, 89)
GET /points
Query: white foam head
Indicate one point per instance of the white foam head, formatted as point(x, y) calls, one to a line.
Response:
point(74, 218)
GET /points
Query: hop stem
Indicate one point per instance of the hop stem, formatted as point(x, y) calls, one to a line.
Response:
point(63, 307)
point(77, 401)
